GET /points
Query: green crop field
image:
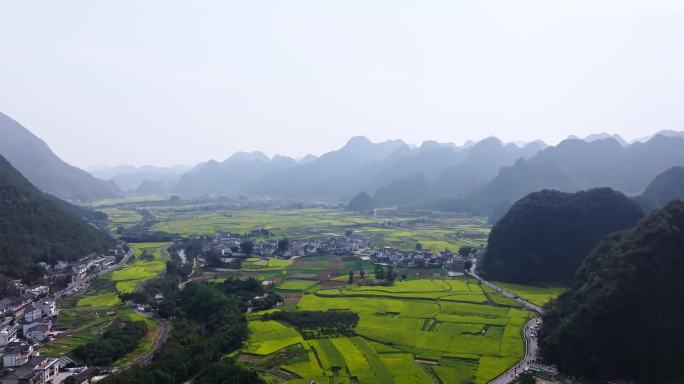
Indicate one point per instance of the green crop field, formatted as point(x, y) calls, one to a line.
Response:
point(122, 218)
point(470, 334)
point(282, 222)
point(128, 278)
point(535, 295)
point(450, 322)
point(295, 285)
point(267, 337)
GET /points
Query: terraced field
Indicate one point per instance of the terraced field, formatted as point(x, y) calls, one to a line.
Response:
point(407, 333)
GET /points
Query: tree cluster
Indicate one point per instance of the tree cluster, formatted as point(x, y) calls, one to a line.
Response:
point(313, 324)
point(207, 325)
point(114, 344)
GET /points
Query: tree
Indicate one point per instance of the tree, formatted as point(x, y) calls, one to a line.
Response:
point(362, 273)
point(283, 245)
point(465, 250)
point(379, 272)
point(526, 378)
point(351, 277)
point(403, 276)
point(390, 274)
point(419, 246)
point(247, 247)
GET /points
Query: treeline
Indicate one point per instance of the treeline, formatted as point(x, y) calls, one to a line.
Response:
point(245, 291)
point(207, 324)
point(113, 345)
point(312, 324)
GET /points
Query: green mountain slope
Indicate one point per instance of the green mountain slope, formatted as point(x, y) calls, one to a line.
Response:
point(625, 316)
point(35, 228)
point(545, 236)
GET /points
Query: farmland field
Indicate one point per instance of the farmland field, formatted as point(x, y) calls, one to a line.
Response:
point(387, 229)
point(535, 295)
point(450, 323)
point(425, 328)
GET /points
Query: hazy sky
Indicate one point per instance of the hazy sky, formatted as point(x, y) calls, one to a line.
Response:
point(164, 82)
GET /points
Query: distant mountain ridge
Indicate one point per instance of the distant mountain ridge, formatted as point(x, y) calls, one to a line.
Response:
point(131, 178)
point(359, 165)
point(664, 188)
point(575, 165)
point(34, 159)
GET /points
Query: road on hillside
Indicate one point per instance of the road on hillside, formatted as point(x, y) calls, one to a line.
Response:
point(531, 342)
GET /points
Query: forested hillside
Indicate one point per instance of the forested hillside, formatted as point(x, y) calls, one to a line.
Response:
point(625, 316)
point(36, 228)
point(545, 236)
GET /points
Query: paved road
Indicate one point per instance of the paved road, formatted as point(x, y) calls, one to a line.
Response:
point(531, 345)
point(76, 288)
point(166, 328)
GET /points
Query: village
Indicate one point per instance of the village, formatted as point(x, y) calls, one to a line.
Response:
point(232, 247)
point(28, 316)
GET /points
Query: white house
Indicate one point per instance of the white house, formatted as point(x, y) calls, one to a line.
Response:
point(8, 334)
point(38, 333)
point(33, 313)
point(37, 370)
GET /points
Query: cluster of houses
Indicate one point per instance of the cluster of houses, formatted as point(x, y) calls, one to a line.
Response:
point(229, 246)
point(27, 319)
point(419, 259)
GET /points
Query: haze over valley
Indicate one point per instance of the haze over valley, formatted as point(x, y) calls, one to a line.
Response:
point(342, 193)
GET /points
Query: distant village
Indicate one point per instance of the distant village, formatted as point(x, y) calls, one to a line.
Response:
point(28, 317)
point(230, 248)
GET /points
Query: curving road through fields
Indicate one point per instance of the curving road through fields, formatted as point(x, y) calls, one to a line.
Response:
point(531, 344)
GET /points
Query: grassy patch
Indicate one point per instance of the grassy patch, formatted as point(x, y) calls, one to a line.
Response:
point(535, 295)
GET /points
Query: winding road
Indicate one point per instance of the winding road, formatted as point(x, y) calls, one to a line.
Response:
point(531, 345)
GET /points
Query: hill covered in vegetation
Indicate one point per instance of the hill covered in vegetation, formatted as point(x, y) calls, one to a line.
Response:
point(624, 318)
point(664, 188)
point(36, 228)
point(362, 202)
point(545, 236)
